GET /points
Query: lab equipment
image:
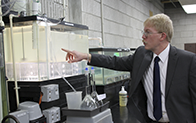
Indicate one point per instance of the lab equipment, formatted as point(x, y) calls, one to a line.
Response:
point(103, 117)
point(74, 99)
point(52, 114)
point(22, 116)
point(37, 43)
point(94, 93)
point(33, 109)
point(28, 112)
point(39, 60)
point(88, 102)
point(101, 114)
point(50, 92)
point(104, 76)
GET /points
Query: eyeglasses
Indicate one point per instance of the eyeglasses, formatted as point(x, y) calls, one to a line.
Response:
point(148, 33)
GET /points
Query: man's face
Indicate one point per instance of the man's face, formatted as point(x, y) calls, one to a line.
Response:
point(151, 38)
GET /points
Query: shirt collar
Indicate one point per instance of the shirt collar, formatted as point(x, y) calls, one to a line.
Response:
point(164, 54)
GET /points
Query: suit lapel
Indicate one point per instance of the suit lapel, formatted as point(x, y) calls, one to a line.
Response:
point(142, 68)
point(144, 65)
point(170, 68)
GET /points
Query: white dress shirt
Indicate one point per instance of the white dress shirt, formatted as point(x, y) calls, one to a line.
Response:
point(148, 84)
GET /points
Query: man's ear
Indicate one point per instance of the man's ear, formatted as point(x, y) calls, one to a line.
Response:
point(163, 36)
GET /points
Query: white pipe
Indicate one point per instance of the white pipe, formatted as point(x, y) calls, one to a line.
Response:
point(1, 107)
point(34, 35)
point(47, 33)
point(64, 6)
point(1, 20)
point(102, 23)
point(14, 68)
point(35, 44)
point(97, 38)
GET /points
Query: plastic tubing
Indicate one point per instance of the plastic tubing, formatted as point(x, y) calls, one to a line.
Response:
point(69, 84)
point(6, 4)
point(63, 77)
point(10, 116)
point(9, 8)
point(64, 13)
point(14, 67)
point(1, 20)
point(12, 3)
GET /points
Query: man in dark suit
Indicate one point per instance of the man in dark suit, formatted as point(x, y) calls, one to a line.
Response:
point(176, 68)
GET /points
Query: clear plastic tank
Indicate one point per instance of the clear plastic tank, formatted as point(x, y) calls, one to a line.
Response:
point(37, 44)
point(105, 76)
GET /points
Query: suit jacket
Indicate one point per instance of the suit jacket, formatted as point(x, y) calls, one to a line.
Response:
point(180, 91)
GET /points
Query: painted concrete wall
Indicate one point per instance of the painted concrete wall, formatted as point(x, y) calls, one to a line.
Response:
point(184, 27)
point(122, 20)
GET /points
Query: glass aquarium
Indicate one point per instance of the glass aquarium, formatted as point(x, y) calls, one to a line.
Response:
point(33, 48)
point(105, 76)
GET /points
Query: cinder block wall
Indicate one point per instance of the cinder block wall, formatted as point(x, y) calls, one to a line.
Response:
point(122, 20)
point(184, 27)
point(119, 22)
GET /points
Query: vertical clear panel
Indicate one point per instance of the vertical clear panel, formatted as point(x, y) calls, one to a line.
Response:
point(3, 93)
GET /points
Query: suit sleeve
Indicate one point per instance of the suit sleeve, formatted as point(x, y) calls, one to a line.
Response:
point(112, 62)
